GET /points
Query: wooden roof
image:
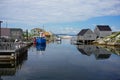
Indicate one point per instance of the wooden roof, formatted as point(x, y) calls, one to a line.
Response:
point(104, 28)
point(5, 32)
point(83, 31)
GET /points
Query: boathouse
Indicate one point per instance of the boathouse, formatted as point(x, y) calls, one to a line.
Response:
point(86, 35)
point(16, 33)
point(102, 31)
point(13, 33)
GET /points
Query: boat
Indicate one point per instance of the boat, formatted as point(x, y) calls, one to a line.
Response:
point(40, 39)
point(34, 40)
point(58, 39)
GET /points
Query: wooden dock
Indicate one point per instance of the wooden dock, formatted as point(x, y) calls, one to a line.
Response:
point(10, 50)
point(8, 67)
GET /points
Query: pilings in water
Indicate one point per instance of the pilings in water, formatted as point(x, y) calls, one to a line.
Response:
point(85, 41)
point(12, 56)
point(8, 67)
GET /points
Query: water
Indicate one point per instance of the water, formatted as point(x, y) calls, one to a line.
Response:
point(63, 61)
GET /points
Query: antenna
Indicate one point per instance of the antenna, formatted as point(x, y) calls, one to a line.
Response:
point(6, 24)
point(43, 27)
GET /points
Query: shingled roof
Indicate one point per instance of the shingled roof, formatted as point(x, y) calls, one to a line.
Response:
point(104, 28)
point(5, 32)
point(82, 32)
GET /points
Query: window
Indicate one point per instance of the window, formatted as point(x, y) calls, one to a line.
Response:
point(89, 36)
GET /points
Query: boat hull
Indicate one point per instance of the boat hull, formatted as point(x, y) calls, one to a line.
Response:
point(40, 41)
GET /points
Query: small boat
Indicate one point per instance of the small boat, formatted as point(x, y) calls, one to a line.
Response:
point(58, 39)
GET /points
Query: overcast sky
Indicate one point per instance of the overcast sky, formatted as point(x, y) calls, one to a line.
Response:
point(60, 16)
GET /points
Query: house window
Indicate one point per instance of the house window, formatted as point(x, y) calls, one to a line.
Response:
point(89, 36)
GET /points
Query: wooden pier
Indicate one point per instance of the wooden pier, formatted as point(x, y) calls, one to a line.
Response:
point(10, 50)
point(10, 67)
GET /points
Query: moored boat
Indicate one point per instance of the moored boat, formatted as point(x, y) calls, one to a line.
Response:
point(40, 39)
point(34, 40)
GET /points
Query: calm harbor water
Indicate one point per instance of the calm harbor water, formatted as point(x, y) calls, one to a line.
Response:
point(64, 61)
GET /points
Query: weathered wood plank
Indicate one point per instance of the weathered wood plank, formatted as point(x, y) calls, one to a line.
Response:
point(7, 51)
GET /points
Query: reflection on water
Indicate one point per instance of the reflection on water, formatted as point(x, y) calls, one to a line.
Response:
point(40, 47)
point(113, 49)
point(56, 42)
point(9, 67)
point(99, 52)
point(59, 42)
point(86, 49)
point(63, 62)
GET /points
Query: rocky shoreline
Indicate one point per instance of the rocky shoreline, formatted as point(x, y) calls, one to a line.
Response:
point(112, 40)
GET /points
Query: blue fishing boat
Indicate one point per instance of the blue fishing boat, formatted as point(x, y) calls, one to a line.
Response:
point(41, 39)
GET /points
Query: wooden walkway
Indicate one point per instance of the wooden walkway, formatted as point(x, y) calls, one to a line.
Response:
point(10, 50)
point(7, 51)
point(11, 47)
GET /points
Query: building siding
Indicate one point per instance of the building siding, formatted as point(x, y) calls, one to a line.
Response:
point(89, 35)
point(13, 33)
point(5, 32)
point(97, 32)
point(16, 33)
point(102, 33)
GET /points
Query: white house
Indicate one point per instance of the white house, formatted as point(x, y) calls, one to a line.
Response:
point(102, 31)
point(86, 35)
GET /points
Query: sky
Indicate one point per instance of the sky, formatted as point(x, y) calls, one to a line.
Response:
point(60, 16)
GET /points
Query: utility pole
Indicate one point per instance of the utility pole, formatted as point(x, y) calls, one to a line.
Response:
point(43, 28)
point(27, 33)
point(0, 28)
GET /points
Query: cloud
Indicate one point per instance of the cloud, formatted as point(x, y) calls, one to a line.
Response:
point(115, 28)
point(68, 30)
point(55, 11)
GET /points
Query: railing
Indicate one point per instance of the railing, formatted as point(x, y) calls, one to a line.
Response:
point(11, 45)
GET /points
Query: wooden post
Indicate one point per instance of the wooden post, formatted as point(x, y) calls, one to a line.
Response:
point(0, 28)
point(27, 33)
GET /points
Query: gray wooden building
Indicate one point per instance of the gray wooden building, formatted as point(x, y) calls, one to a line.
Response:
point(86, 35)
point(102, 31)
point(16, 33)
point(13, 33)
